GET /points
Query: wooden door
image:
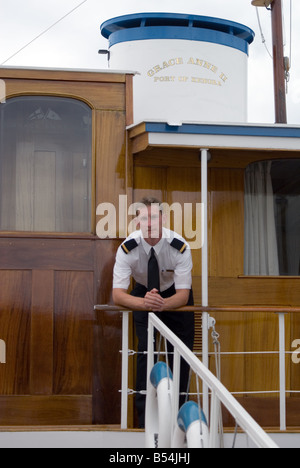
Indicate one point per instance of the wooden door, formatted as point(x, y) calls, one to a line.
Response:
point(62, 366)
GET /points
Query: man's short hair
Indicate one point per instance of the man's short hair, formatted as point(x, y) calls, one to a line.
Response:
point(148, 201)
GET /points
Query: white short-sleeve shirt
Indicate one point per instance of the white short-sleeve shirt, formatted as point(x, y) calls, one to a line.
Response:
point(175, 266)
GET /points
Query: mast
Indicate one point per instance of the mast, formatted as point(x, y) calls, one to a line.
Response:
point(278, 63)
point(278, 57)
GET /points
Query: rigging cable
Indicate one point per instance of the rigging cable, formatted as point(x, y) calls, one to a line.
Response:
point(262, 34)
point(291, 15)
point(44, 32)
point(288, 59)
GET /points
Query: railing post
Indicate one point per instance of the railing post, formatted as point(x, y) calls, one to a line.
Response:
point(282, 378)
point(204, 200)
point(214, 420)
point(150, 349)
point(176, 389)
point(124, 385)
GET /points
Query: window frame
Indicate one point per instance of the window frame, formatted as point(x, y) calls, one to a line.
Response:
point(91, 179)
point(282, 274)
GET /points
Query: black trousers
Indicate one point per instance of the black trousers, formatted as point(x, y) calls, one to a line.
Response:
point(180, 323)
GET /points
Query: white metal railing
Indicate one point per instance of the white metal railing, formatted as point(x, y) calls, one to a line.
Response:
point(219, 394)
point(281, 311)
point(283, 391)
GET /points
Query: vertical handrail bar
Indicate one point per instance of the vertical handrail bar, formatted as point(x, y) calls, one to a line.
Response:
point(150, 349)
point(282, 378)
point(204, 201)
point(176, 385)
point(214, 420)
point(124, 384)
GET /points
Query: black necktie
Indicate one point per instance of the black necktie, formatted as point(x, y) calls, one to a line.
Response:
point(153, 272)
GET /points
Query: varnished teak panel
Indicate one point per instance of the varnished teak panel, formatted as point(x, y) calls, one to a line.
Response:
point(46, 254)
point(57, 354)
point(41, 337)
point(73, 333)
point(15, 307)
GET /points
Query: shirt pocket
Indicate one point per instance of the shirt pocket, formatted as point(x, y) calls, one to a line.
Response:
point(167, 273)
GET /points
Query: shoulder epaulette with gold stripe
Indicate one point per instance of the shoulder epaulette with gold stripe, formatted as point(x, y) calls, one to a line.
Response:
point(179, 245)
point(129, 245)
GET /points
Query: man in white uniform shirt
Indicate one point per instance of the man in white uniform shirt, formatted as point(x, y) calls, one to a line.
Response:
point(160, 262)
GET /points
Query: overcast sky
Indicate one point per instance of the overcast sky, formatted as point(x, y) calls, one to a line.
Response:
point(74, 42)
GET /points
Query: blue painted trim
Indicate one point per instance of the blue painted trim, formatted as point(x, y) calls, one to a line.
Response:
point(172, 32)
point(231, 130)
point(145, 26)
point(189, 413)
point(160, 371)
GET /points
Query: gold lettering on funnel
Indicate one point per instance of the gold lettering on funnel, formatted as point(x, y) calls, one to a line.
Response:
point(220, 77)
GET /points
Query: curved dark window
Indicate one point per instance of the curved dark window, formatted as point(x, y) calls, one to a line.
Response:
point(286, 186)
point(272, 218)
point(45, 165)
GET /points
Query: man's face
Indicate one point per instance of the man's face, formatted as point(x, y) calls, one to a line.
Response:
point(150, 221)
